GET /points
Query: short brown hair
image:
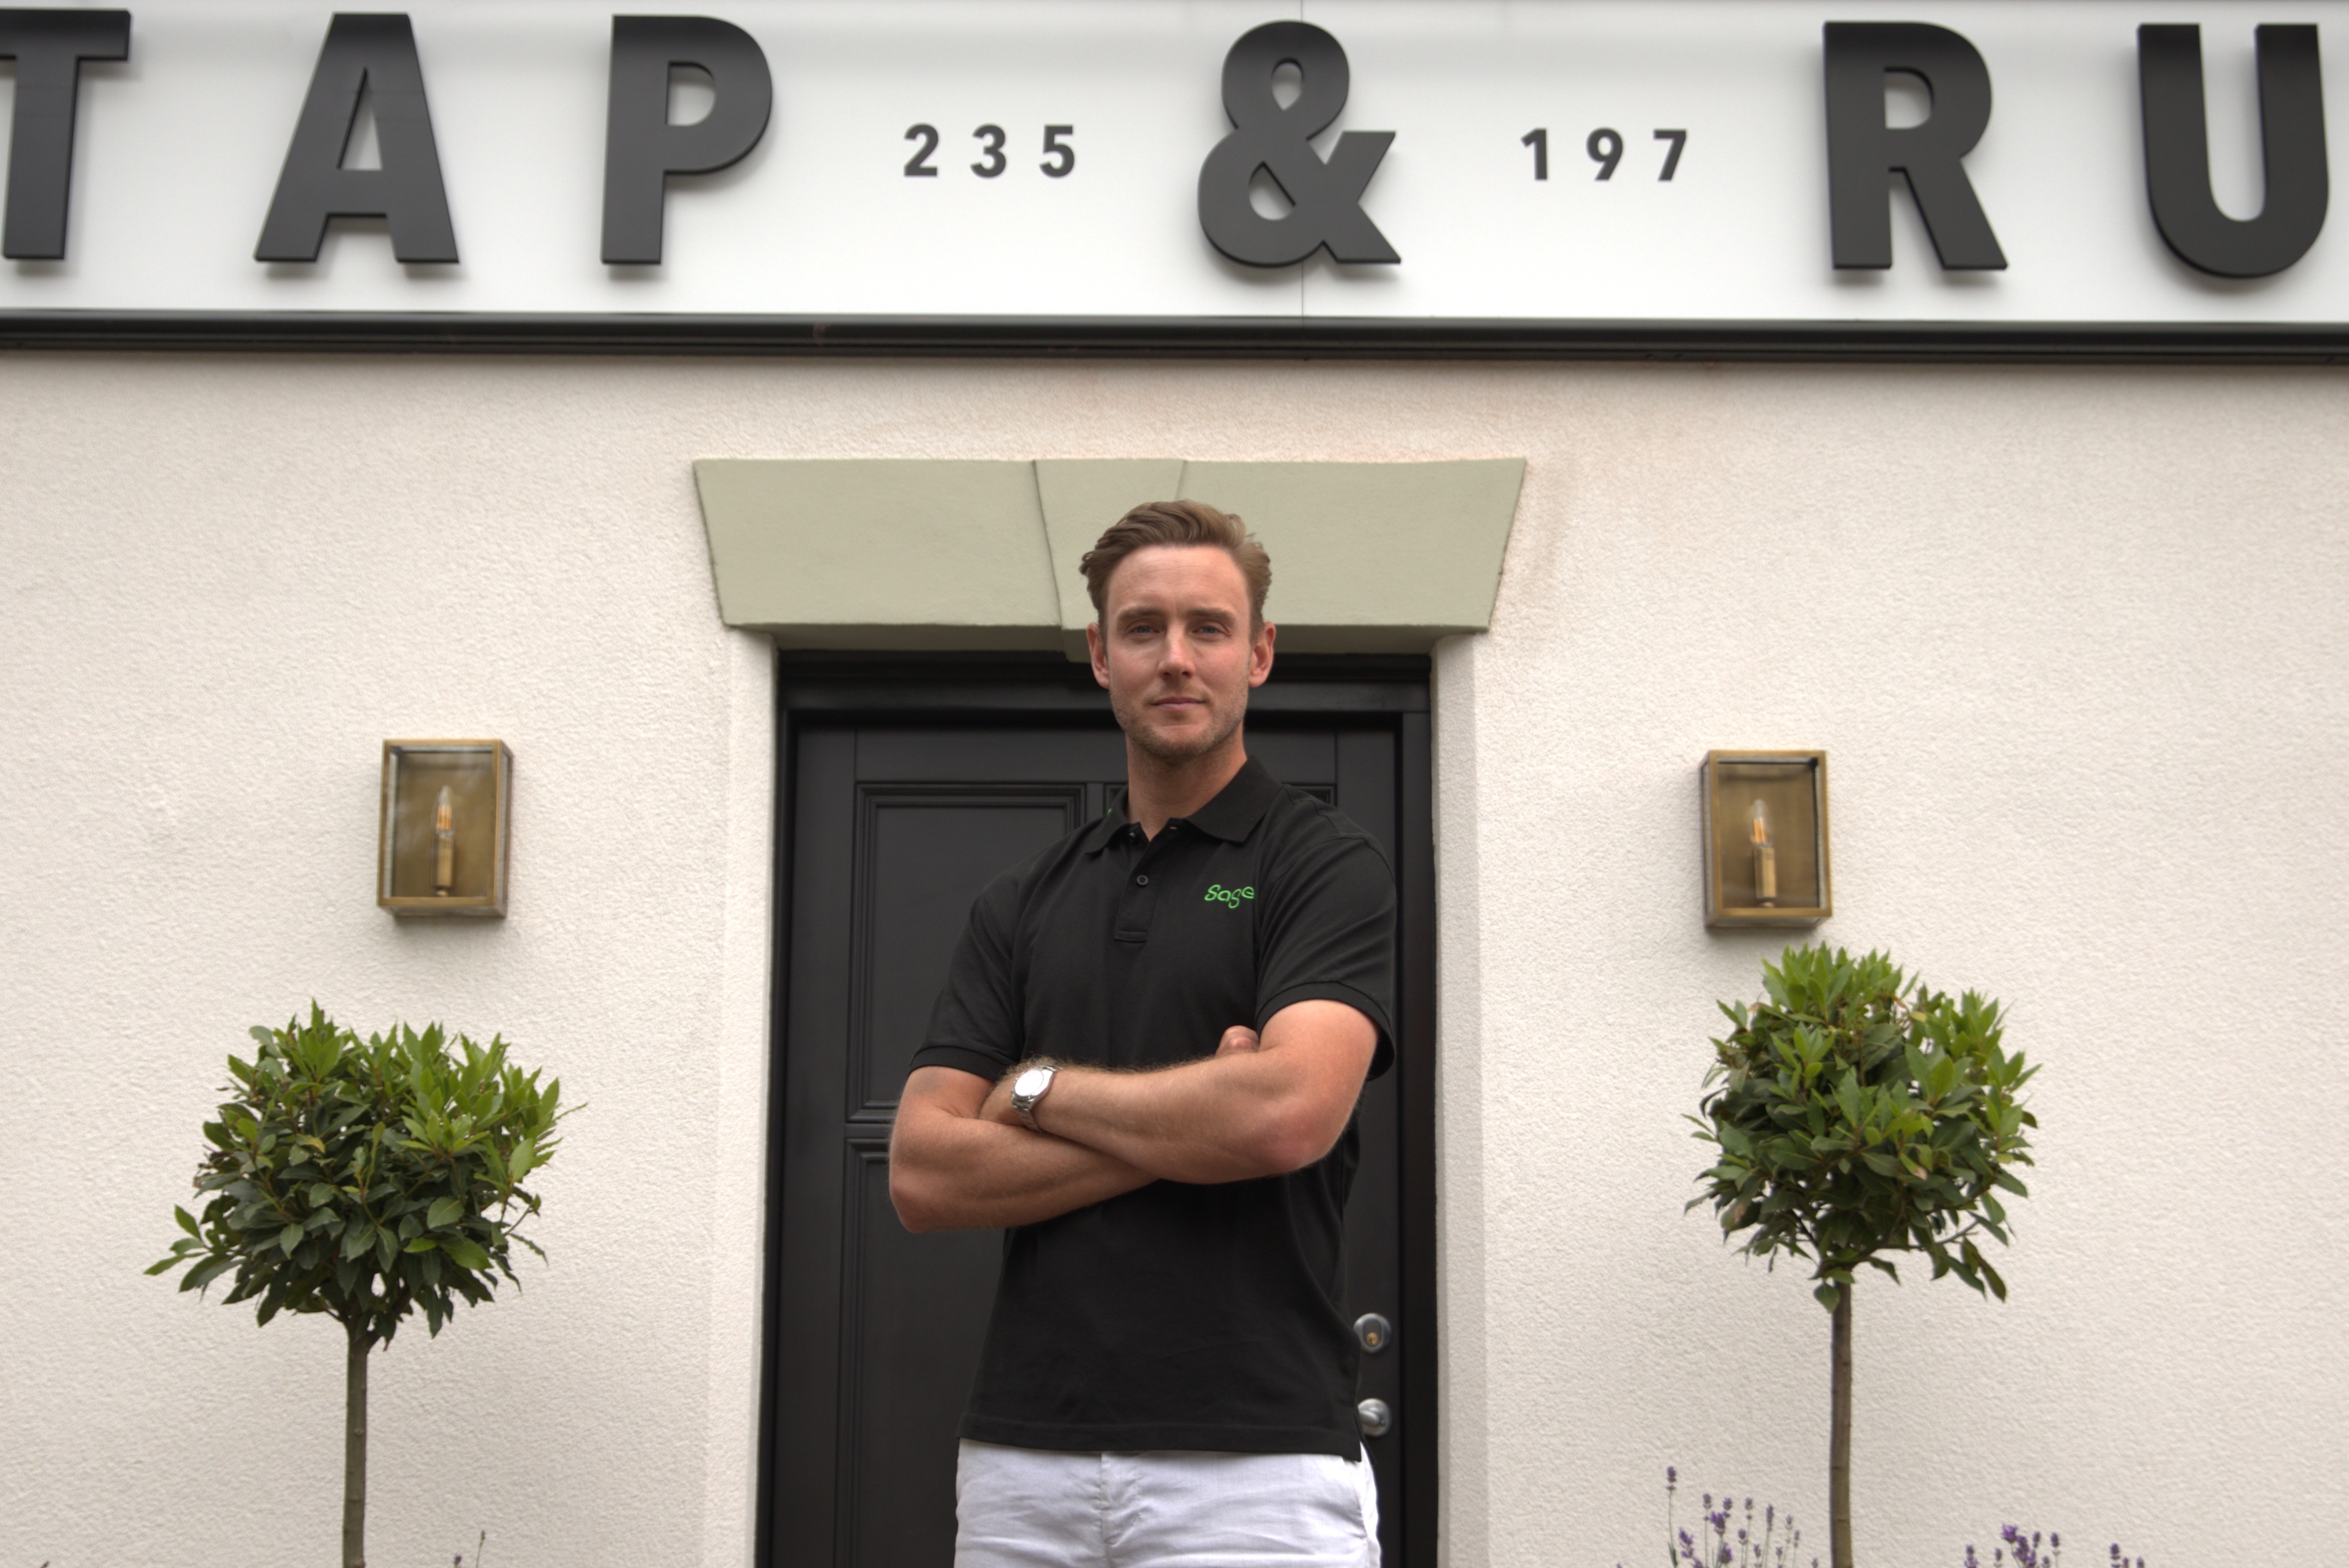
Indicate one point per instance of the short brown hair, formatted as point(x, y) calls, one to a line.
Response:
point(1177, 522)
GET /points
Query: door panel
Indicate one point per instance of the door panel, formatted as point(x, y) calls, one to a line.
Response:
point(893, 829)
point(922, 853)
point(909, 1346)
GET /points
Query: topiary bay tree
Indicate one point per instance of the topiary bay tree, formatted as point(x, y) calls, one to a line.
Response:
point(365, 1179)
point(1857, 1114)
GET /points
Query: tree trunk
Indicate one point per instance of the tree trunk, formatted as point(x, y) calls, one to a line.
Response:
point(1840, 1437)
point(355, 1391)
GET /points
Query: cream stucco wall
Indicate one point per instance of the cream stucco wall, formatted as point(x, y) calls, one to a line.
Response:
point(2073, 639)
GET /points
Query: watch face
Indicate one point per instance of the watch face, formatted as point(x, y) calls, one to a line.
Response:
point(1030, 1084)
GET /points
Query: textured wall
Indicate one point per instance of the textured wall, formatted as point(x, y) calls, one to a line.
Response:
point(2073, 639)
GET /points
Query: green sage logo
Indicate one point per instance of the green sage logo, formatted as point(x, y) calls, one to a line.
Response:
point(1228, 896)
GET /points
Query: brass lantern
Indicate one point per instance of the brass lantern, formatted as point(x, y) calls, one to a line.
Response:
point(442, 848)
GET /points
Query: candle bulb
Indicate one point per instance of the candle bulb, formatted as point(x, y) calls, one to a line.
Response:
point(1765, 858)
point(444, 844)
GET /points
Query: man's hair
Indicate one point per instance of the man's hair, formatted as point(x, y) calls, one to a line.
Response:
point(1177, 522)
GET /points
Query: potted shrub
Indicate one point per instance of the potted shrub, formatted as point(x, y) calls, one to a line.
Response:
point(1855, 1115)
point(364, 1180)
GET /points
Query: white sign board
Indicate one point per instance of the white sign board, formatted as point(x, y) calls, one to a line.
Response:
point(178, 151)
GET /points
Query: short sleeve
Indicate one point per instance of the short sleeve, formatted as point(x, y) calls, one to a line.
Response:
point(1330, 935)
point(977, 1025)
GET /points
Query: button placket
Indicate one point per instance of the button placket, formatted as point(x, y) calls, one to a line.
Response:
point(1137, 902)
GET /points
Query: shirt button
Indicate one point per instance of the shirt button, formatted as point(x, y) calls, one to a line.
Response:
point(1142, 881)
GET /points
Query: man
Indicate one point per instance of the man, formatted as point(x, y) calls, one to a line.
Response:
point(1144, 1064)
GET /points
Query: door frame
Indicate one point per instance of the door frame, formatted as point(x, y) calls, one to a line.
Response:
point(830, 688)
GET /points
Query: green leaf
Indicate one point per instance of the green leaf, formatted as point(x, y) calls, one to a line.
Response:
point(421, 1244)
point(467, 1252)
point(1829, 1296)
point(204, 1273)
point(358, 1239)
point(445, 1212)
point(187, 1222)
point(290, 1238)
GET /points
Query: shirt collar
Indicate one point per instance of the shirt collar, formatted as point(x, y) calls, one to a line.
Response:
point(1106, 827)
point(1231, 816)
point(1240, 806)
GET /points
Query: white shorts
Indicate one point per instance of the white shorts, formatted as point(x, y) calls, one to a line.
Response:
point(1029, 1507)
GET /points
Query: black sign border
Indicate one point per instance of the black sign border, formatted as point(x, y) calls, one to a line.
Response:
point(1209, 337)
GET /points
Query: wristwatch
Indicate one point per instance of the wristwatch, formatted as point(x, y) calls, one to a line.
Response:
point(1028, 1087)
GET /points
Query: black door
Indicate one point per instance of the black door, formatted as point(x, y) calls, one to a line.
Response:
point(892, 821)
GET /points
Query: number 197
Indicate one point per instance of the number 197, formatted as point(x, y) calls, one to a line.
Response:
point(1605, 146)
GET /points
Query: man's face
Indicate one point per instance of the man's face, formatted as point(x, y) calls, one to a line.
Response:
point(1175, 649)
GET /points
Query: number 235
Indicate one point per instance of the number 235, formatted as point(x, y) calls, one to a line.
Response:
point(1059, 155)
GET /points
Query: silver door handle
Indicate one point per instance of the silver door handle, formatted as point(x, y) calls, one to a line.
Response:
point(1375, 1418)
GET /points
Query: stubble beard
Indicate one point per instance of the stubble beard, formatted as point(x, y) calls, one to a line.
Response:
point(1133, 717)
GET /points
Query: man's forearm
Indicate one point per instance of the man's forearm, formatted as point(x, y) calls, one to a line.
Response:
point(1239, 1114)
point(951, 1172)
point(1202, 1121)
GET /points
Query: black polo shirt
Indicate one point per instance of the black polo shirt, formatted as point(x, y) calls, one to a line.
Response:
point(1177, 1315)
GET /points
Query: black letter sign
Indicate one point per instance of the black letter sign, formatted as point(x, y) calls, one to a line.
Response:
point(642, 148)
point(1862, 148)
point(376, 53)
point(48, 47)
point(1327, 197)
point(2177, 154)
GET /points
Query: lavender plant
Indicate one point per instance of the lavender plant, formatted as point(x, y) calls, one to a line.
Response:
point(1727, 1536)
point(2024, 1551)
point(1773, 1543)
point(1726, 1539)
point(1857, 1114)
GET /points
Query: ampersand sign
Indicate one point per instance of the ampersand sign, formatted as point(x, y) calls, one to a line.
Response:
point(1326, 198)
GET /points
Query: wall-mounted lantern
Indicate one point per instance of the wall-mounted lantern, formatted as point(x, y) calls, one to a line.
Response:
point(1766, 838)
point(442, 849)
